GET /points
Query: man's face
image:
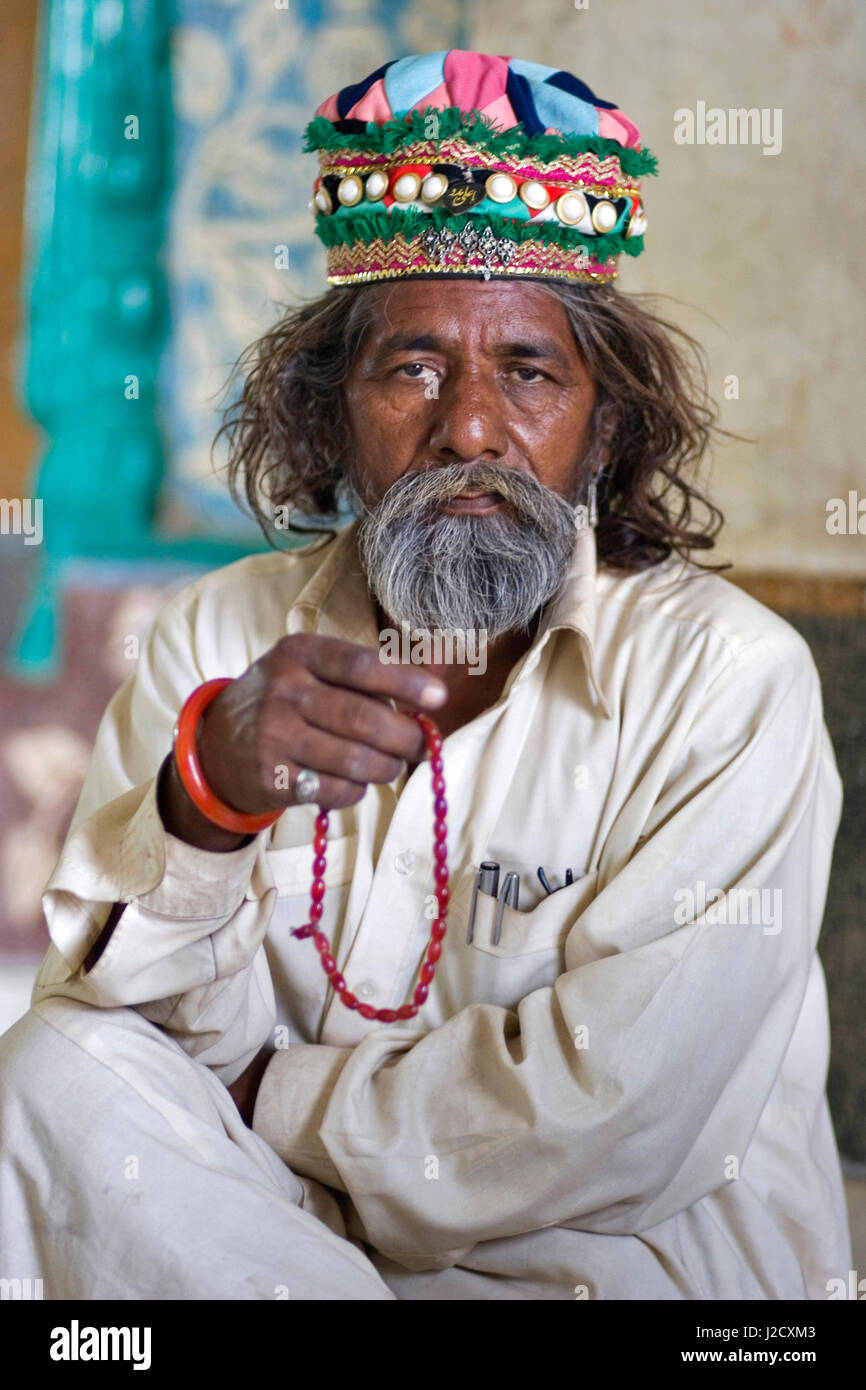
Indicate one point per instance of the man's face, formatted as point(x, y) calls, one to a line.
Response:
point(466, 372)
point(469, 409)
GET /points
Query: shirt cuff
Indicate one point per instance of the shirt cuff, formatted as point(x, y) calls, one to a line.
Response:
point(123, 853)
point(290, 1107)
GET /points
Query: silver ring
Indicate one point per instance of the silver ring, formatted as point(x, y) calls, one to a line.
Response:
point(307, 785)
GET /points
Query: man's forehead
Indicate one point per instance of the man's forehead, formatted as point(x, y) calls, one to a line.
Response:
point(495, 312)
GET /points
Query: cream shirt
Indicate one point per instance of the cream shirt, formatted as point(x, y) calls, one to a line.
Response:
point(624, 1098)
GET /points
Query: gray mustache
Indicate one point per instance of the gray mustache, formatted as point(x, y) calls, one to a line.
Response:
point(444, 482)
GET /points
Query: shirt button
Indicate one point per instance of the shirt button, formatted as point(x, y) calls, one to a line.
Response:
point(364, 990)
point(404, 863)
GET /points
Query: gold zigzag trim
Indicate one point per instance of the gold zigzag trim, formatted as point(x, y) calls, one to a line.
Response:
point(351, 264)
point(581, 167)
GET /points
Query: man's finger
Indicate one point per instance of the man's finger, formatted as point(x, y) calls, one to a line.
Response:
point(326, 752)
point(363, 719)
point(357, 667)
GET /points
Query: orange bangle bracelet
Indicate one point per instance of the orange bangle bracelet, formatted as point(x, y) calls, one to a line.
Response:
point(191, 775)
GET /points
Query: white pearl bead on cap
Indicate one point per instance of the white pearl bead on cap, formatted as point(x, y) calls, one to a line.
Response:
point(350, 190)
point(406, 188)
point(433, 187)
point(501, 188)
point(376, 185)
point(534, 194)
point(571, 208)
point(637, 226)
point(604, 216)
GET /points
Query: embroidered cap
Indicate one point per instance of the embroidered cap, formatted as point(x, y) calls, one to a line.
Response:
point(458, 163)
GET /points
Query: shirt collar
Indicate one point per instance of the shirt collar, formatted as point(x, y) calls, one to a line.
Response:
point(575, 608)
point(336, 602)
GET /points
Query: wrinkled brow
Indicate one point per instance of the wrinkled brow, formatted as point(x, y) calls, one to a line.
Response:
point(428, 342)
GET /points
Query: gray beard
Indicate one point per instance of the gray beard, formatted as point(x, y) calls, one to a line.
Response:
point(492, 573)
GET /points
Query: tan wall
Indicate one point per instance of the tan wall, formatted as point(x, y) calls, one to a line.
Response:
point(770, 246)
point(18, 438)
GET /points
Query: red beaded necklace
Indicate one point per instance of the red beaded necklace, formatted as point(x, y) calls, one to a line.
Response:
point(439, 927)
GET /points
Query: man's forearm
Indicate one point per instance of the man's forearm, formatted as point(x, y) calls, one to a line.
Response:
point(182, 819)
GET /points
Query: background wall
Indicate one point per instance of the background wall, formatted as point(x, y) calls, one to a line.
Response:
point(768, 246)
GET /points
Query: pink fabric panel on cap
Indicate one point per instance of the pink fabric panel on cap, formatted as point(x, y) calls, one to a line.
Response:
point(614, 125)
point(373, 106)
point(328, 109)
point(474, 79)
point(440, 97)
point(502, 112)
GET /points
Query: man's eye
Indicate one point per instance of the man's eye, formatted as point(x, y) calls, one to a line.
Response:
point(415, 370)
point(532, 371)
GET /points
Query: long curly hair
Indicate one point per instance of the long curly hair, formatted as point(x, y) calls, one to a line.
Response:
point(289, 439)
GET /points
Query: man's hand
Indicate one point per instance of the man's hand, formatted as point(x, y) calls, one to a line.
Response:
point(244, 1091)
point(310, 702)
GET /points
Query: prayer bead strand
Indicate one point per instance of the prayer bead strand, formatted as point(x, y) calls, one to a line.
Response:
point(442, 894)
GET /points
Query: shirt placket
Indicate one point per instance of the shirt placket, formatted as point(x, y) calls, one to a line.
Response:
point(380, 958)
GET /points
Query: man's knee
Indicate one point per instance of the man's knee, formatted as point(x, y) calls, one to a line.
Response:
point(65, 1061)
point(26, 1056)
point(126, 1170)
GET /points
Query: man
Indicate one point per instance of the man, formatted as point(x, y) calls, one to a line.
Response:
point(613, 1085)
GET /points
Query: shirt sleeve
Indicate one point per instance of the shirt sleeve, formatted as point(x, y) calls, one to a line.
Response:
point(187, 949)
point(615, 1098)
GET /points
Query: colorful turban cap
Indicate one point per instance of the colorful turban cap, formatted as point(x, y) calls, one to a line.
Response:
point(460, 163)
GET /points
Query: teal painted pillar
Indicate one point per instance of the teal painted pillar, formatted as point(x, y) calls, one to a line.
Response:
point(98, 315)
point(96, 304)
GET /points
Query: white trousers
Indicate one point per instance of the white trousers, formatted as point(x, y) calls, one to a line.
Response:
point(126, 1172)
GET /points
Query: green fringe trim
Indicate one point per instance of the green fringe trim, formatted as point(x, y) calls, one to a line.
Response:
point(368, 226)
point(476, 129)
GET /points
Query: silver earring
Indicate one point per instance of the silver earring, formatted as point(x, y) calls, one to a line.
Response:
point(592, 499)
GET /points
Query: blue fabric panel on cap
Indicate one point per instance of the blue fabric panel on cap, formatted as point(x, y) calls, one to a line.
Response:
point(519, 93)
point(410, 79)
point(349, 95)
point(516, 209)
point(536, 72)
point(567, 83)
point(564, 112)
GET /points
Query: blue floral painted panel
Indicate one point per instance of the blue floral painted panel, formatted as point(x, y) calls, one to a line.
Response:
point(247, 77)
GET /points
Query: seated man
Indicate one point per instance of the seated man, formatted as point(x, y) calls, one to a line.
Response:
point(606, 1078)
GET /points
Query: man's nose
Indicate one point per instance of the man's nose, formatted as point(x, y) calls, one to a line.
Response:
point(468, 423)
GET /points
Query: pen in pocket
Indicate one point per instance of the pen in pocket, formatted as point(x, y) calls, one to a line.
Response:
point(546, 884)
point(509, 897)
point(486, 881)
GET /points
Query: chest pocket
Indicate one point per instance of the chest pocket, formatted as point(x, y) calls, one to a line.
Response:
point(530, 953)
